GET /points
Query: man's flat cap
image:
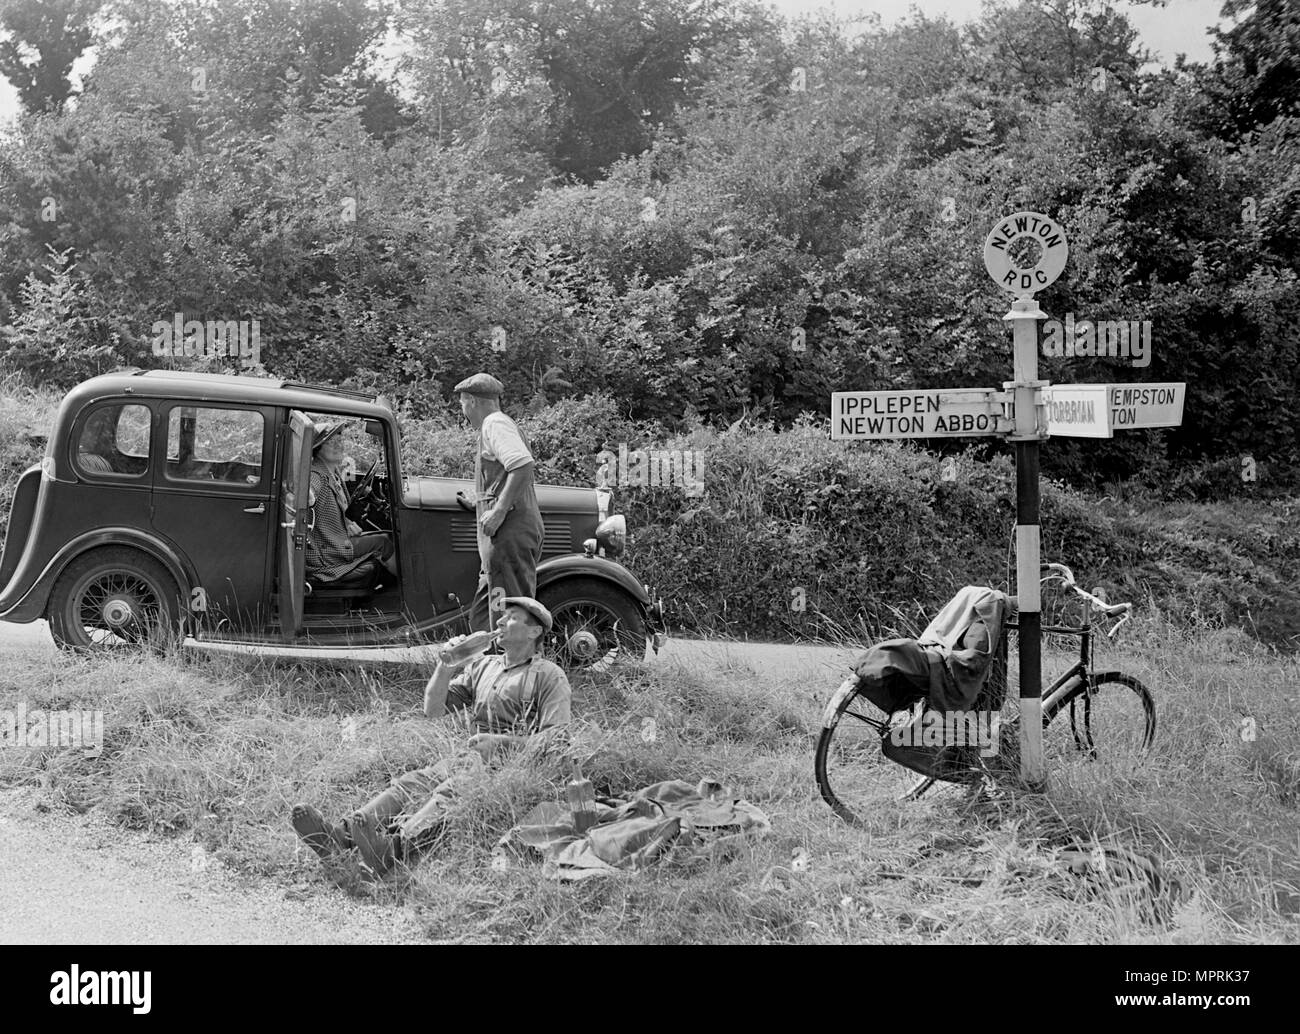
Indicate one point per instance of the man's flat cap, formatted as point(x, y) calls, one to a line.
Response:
point(480, 384)
point(533, 607)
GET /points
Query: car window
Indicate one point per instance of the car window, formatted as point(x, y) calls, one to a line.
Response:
point(133, 431)
point(115, 440)
point(205, 444)
point(360, 450)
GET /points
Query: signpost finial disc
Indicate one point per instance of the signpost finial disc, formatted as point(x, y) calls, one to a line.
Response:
point(1025, 253)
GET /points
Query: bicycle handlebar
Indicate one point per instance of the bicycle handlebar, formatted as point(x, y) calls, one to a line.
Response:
point(1066, 577)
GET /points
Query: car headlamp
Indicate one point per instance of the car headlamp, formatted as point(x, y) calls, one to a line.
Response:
point(611, 534)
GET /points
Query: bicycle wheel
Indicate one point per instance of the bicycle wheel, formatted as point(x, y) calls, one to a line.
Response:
point(1112, 719)
point(852, 774)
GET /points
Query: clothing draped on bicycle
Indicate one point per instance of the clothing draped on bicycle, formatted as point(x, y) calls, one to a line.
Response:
point(957, 664)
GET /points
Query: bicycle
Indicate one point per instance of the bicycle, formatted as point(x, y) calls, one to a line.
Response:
point(849, 760)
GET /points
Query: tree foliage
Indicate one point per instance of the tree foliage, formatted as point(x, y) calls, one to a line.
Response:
point(41, 41)
point(697, 208)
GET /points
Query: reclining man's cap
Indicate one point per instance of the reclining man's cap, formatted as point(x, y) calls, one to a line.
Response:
point(533, 607)
point(323, 433)
point(483, 384)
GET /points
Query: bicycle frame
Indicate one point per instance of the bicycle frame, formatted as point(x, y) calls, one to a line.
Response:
point(1077, 672)
point(1078, 683)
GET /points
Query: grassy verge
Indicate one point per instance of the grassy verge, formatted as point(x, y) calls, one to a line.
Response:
point(214, 750)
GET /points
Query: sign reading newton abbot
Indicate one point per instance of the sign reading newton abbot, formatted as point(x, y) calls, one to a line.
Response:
point(933, 413)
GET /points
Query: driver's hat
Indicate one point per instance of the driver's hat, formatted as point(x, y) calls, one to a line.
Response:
point(324, 432)
point(537, 610)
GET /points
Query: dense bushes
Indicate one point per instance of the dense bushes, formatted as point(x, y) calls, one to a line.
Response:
point(795, 535)
point(798, 536)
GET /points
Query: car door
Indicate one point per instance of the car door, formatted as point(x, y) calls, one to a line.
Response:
point(213, 499)
point(294, 510)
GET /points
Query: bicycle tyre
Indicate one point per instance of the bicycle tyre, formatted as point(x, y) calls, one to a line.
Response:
point(1131, 730)
point(848, 759)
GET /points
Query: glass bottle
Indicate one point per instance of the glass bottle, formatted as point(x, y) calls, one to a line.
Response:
point(471, 646)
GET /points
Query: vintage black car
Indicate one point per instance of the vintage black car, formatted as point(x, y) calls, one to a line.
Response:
point(181, 500)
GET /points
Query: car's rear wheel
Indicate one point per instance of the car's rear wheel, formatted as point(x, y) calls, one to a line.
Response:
point(112, 597)
point(594, 623)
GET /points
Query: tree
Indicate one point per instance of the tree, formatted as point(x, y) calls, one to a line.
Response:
point(1042, 44)
point(53, 339)
point(1257, 64)
point(57, 32)
point(604, 73)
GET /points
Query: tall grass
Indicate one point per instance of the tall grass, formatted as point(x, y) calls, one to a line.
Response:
point(214, 750)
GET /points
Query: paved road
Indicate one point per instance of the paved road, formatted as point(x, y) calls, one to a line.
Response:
point(781, 659)
point(132, 889)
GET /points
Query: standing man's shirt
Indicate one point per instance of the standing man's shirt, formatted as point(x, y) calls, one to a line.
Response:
point(501, 449)
point(499, 698)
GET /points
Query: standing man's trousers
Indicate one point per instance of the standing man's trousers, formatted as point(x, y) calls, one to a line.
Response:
point(509, 565)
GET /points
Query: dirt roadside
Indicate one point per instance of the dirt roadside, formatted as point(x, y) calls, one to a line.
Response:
point(75, 879)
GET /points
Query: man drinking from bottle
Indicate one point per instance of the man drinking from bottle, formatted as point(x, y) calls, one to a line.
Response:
point(516, 698)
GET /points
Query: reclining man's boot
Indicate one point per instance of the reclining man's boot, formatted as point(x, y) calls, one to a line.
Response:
point(367, 826)
point(322, 836)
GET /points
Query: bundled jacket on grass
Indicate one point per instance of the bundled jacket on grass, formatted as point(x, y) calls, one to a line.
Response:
point(672, 818)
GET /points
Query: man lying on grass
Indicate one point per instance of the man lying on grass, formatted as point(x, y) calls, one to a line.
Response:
point(516, 698)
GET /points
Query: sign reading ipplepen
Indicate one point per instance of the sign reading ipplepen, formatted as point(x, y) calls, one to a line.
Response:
point(932, 413)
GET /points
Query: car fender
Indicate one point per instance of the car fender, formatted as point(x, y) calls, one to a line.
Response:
point(560, 568)
point(33, 602)
point(19, 528)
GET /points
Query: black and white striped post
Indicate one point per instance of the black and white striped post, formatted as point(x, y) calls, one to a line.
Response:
point(1024, 254)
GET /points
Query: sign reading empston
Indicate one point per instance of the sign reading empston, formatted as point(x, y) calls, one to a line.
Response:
point(929, 413)
point(1025, 253)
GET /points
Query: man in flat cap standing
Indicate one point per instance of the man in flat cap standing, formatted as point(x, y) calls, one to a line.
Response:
point(509, 519)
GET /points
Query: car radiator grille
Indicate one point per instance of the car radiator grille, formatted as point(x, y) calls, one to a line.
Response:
point(557, 537)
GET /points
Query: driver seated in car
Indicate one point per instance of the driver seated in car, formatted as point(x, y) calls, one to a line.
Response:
point(96, 443)
point(337, 547)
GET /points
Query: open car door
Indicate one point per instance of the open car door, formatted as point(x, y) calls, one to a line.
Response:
point(295, 510)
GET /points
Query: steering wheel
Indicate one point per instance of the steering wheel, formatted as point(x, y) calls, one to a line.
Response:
point(363, 500)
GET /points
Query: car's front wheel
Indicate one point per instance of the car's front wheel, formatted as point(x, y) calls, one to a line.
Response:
point(594, 623)
point(112, 597)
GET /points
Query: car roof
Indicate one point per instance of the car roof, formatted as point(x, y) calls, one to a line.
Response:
point(220, 387)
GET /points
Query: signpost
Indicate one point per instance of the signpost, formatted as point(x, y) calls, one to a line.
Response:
point(1024, 253)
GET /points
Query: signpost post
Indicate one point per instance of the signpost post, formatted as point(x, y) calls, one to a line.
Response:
point(1024, 254)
